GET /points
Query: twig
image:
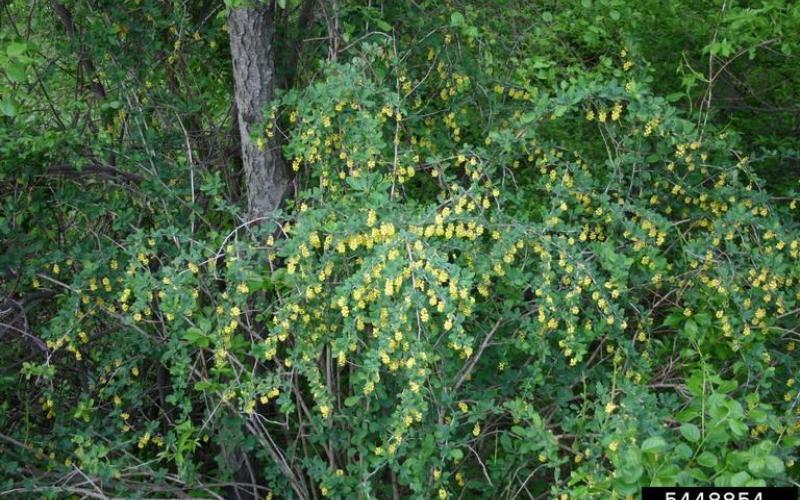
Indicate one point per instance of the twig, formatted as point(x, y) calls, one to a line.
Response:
point(471, 365)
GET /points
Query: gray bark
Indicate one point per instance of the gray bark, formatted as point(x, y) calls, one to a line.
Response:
point(251, 30)
point(266, 179)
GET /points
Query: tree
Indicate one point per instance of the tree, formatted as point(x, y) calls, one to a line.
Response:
point(251, 29)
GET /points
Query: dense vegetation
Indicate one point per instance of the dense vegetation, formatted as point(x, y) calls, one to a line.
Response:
point(529, 249)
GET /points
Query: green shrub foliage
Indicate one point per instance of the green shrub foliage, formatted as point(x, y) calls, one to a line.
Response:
point(518, 262)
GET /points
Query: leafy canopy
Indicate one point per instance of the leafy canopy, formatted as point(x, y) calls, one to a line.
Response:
point(525, 256)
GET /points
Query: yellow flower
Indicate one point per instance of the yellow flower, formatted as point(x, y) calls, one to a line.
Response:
point(144, 440)
point(423, 315)
point(616, 111)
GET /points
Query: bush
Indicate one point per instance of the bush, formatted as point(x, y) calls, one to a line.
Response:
point(485, 287)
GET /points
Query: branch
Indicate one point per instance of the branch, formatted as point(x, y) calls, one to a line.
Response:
point(84, 61)
point(465, 372)
point(99, 170)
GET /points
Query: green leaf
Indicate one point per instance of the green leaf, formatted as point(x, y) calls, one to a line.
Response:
point(456, 454)
point(654, 444)
point(653, 158)
point(196, 337)
point(739, 479)
point(456, 19)
point(737, 427)
point(8, 107)
point(757, 465)
point(204, 324)
point(773, 466)
point(382, 25)
point(351, 401)
point(707, 459)
point(631, 466)
point(356, 183)
point(683, 451)
point(16, 72)
point(690, 328)
point(506, 443)
point(518, 430)
point(16, 49)
point(691, 432)
point(673, 320)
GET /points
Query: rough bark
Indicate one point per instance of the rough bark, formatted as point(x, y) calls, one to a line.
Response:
point(251, 31)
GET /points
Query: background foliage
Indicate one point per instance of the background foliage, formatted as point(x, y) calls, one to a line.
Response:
point(535, 249)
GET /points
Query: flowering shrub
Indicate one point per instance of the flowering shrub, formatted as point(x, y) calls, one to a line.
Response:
point(539, 302)
point(484, 287)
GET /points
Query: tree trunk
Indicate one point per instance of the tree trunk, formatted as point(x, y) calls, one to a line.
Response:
point(251, 30)
point(266, 179)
